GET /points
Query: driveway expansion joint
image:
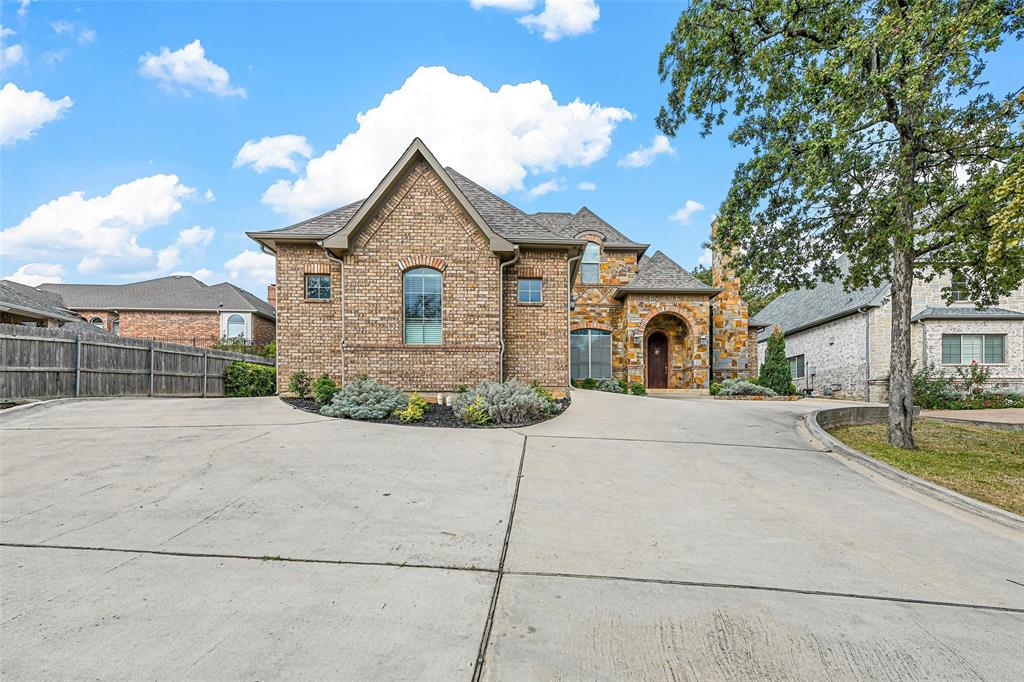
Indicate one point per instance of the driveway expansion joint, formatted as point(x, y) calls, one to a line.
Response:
point(678, 442)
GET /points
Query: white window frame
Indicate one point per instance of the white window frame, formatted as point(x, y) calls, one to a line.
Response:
point(591, 257)
point(529, 292)
point(982, 360)
point(246, 318)
point(590, 334)
point(794, 361)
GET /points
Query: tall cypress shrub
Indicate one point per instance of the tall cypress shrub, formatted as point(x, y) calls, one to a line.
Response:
point(775, 372)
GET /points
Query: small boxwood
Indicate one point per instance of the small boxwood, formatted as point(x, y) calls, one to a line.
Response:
point(324, 389)
point(247, 379)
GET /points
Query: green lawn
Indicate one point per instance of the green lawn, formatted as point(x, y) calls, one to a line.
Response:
point(983, 463)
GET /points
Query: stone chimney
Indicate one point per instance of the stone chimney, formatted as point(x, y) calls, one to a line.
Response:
point(730, 347)
point(272, 294)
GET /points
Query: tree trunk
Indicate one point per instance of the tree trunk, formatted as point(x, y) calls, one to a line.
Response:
point(901, 388)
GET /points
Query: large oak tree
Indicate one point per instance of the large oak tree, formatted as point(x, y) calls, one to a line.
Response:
point(872, 136)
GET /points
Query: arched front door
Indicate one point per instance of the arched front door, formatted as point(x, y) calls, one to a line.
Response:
point(657, 360)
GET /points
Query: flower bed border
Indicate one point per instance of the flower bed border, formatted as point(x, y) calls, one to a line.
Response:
point(776, 398)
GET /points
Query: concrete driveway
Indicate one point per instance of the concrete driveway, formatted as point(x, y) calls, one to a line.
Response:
point(646, 539)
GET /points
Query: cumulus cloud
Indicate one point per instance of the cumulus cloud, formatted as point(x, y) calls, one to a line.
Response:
point(204, 275)
point(252, 265)
point(34, 274)
point(23, 7)
point(520, 5)
point(683, 215)
point(186, 69)
point(644, 156)
point(495, 137)
point(196, 236)
point(705, 258)
point(553, 185)
point(563, 18)
point(10, 55)
point(23, 112)
point(274, 152)
point(104, 229)
point(586, 186)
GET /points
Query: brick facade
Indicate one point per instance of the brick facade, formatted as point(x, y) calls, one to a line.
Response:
point(536, 346)
point(198, 328)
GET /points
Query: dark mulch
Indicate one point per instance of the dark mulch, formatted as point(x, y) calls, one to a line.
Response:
point(436, 415)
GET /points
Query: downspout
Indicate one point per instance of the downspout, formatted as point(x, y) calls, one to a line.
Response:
point(341, 345)
point(501, 313)
point(867, 352)
point(568, 319)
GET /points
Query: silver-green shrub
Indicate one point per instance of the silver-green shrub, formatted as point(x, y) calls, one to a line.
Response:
point(512, 402)
point(610, 386)
point(740, 387)
point(364, 399)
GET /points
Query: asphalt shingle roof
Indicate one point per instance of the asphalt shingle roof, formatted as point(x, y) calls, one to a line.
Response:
point(319, 226)
point(503, 217)
point(802, 308)
point(21, 297)
point(661, 273)
point(966, 313)
point(177, 292)
point(569, 225)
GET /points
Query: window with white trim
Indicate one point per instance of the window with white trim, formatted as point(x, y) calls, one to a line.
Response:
point(796, 366)
point(530, 290)
point(590, 264)
point(97, 322)
point(963, 349)
point(235, 326)
point(958, 290)
point(590, 354)
point(422, 306)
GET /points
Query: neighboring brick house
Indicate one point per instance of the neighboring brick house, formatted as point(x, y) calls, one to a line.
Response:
point(432, 282)
point(178, 309)
point(838, 342)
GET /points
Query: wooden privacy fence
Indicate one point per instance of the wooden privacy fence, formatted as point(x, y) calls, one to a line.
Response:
point(37, 362)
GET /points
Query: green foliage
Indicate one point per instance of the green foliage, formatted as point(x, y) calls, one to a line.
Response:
point(269, 350)
point(775, 372)
point(364, 398)
point(756, 290)
point(588, 383)
point(545, 395)
point(741, 387)
point(414, 411)
point(247, 379)
point(714, 388)
point(965, 390)
point(624, 385)
point(299, 384)
point(476, 412)
point(637, 388)
point(512, 402)
point(241, 346)
point(324, 389)
point(463, 388)
point(610, 386)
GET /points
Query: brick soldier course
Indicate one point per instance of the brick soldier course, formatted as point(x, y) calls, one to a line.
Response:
point(422, 215)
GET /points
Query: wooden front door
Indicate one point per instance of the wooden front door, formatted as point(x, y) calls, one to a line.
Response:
point(657, 360)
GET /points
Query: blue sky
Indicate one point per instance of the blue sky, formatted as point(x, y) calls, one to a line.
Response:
point(126, 156)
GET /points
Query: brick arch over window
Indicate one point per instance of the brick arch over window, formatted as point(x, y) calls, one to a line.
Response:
point(592, 325)
point(673, 311)
point(409, 262)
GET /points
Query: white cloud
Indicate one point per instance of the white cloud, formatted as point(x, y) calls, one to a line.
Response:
point(196, 236)
point(23, 8)
point(34, 274)
point(586, 186)
point(204, 275)
point(494, 137)
point(4, 32)
point(705, 258)
point(52, 57)
point(646, 155)
point(83, 35)
point(553, 185)
point(61, 27)
point(683, 215)
point(252, 265)
point(519, 5)
point(186, 69)
point(274, 152)
point(208, 196)
point(22, 112)
point(11, 55)
point(104, 229)
point(563, 18)
point(168, 257)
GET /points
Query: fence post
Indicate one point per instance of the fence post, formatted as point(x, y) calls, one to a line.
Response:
point(206, 360)
point(152, 366)
point(78, 365)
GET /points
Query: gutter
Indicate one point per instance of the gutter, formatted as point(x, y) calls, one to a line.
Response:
point(568, 318)
point(501, 312)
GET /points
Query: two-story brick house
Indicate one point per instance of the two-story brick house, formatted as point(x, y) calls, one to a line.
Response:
point(432, 281)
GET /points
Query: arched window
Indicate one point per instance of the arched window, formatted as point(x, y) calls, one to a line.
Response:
point(590, 264)
point(590, 354)
point(236, 326)
point(115, 326)
point(422, 314)
point(97, 322)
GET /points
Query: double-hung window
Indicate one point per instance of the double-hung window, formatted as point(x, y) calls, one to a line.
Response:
point(963, 349)
point(796, 366)
point(422, 313)
point(590, 354)
point(590, 264)
point(530, 290)
point(318, 287)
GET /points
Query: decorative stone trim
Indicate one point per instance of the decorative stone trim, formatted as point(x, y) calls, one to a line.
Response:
point(434, 262)
point(579, 326)
point(317, 269)
point(529, 273)
point(592, 237)
point(675, 311)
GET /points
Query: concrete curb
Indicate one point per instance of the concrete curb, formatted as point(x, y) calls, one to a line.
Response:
point(1005, 426)
point(26, 406)
point(845, 415)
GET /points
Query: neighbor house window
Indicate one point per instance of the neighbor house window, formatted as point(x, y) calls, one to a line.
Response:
point(590, 264)
point(963, 349)
point(318, 287)
point(97, 322)
point(590, 354)
point(796, 366)
point(958, 290)
point(422, 287)
point(529, 290)
point(235, 326)
point(115, 327)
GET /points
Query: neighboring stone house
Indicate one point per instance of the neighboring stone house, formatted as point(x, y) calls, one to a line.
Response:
point(434, 282)
point(838, 342)
point(177, 309)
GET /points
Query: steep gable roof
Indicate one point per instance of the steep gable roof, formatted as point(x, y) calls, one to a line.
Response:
point(659, 273)
point(572, 225)
point(176, 292)
point(826, 301)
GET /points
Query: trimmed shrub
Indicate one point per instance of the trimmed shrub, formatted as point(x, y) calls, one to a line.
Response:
point(636, 388)
point(741, 387)
point(714, 388)
point(512, 402)
point(545, 395)
point(324, 389)
point(364, 398)
point(299, 384)
point(610, 386)
point(476, 412)
point(247, 379)
point(588, 383)
point(624, 386)
point(775, 374)
point(414, 411)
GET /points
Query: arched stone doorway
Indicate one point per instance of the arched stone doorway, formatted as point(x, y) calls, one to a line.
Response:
point(668, 353)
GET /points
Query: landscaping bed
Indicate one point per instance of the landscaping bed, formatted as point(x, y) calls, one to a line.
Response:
point(984, 463)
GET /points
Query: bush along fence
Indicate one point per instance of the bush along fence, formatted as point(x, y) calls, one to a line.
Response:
point(39, 363)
